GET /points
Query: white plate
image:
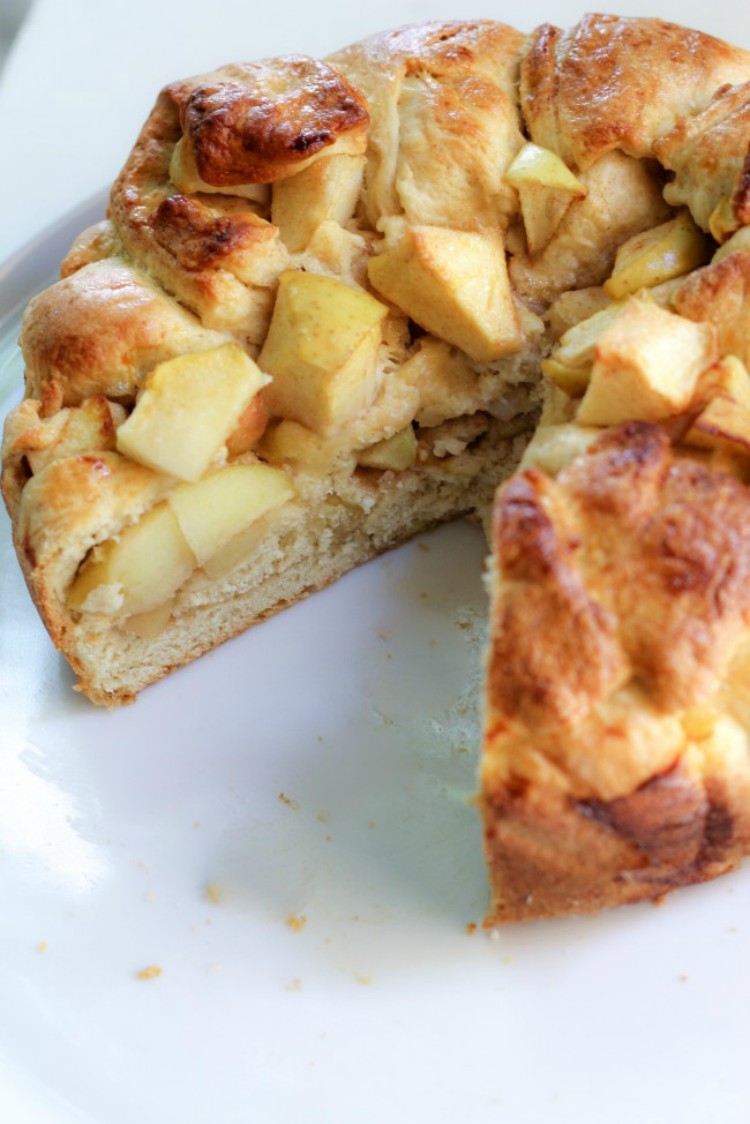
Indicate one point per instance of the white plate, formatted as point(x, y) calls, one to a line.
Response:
point(313, 778)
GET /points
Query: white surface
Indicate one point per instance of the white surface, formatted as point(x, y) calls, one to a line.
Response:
point(357, 705)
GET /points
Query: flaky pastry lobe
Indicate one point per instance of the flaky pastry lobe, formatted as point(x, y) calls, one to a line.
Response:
point(616, 764)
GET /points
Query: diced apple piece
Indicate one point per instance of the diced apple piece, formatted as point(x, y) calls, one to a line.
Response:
point(573, 306)
point(288, 442)
point(573, 380)
point(725, 419)
point(321, 350)
point(396, 453)
point(136, 572)
point(446, 383)
point(553, 447)
point(740, 240)
point(546, 187)
point(240, 548)
point(188, 409)
point(669, 250)
point(215, 509)
point(569, 364)
point(454, 283)
point(326, 189)
point(251, 425)
point(722, 221)
point(151, 624)
point(646, 365)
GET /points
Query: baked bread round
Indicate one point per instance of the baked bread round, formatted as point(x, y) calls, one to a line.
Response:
point(335, 303)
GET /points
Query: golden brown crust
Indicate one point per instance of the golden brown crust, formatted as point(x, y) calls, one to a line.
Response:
point(444, 122)
point(720, 294)
point(620, 608)
point(549, 855)
point(99, 331)
point(710, 154)
point(213, 253)
point(614, 82)
point(257, 122)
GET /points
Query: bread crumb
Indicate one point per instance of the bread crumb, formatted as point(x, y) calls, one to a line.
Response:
point(293, 804)
point(294, 985)
point(372, 823)
point(296, 922)
point(152, 972)
point(213, 968)
point(322, 817)
point(196, 824)
point(423, 547)
point(364, 981)
point(471, 928)
point(42, 946)
point(149, 897)
point(213, 893)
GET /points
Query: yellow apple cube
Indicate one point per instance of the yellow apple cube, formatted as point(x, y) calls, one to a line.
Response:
point(136, 572)
point(546, 188)
point(396, 453)
point(288, 442)
point(573, 306)
point(215, 509)
point(569, 364)
point(321, 351)
point(740, 240)
point(444, 380)
point(646, 365)
point(454, 283)
point(326, 189)
point(725, 419)
point(669, 250)
point(188, 409)
point(553, 447)
point(151, 624)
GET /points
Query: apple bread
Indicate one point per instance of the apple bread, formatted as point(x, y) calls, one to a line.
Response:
point(337, 302)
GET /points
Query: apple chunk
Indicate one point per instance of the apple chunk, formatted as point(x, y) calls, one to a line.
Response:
point(669, 250)
point(553, 447)
point(454, 283)
point(646, 365)
point(396, 453)
point(215, 509)
point(569, 364)
point(136, 572)
point(546, 188)
point(326, 189)
point(188, 408)
point(725, 419)
point(321, 351)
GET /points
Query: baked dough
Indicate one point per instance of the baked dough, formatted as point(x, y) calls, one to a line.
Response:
point(403, 237)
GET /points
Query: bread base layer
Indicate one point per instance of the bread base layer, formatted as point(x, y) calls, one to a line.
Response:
point(331, 529)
